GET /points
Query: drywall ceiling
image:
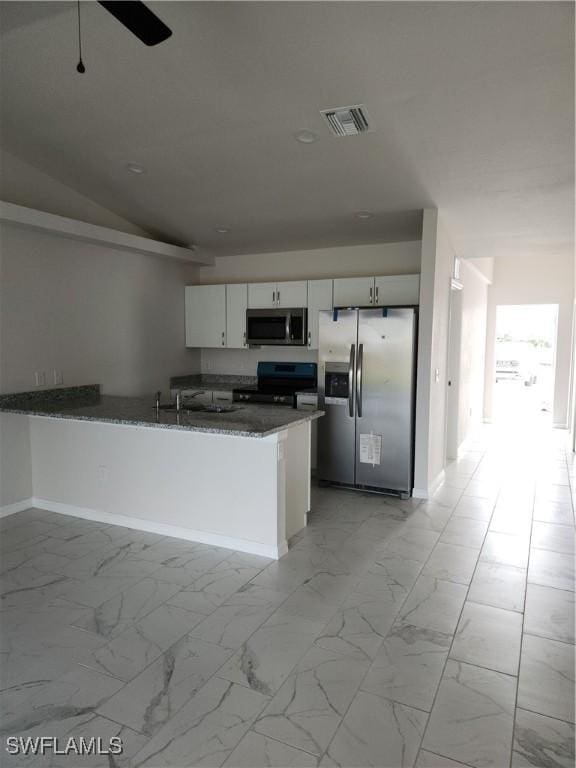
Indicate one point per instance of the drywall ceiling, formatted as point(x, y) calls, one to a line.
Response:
point(472, 107)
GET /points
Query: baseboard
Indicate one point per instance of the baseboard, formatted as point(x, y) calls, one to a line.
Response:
point(427, 493)
point(176, 531)
point(18, 506)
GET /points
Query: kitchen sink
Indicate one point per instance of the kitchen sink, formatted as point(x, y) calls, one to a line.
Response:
point(171, 408)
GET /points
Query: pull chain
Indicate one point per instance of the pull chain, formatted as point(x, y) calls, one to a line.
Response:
point(80, 66)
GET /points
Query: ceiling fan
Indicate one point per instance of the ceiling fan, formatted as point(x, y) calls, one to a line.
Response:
point(136, 17)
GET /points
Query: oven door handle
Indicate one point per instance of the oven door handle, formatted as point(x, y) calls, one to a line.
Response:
point(351, 380)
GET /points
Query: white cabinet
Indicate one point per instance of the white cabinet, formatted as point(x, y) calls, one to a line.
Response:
point(216, 314)
point(353, 291)
point(319, 297)
point(383, 291)
point(236, 303)
point(291, 293)
point(261, 295)
point(397, 290)
point(205, 315)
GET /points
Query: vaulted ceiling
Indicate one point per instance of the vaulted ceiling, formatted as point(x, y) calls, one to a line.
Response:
point(471, 104)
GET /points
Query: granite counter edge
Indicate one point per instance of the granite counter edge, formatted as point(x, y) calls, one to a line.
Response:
point(309, 416)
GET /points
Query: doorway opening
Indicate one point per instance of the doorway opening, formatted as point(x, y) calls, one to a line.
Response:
point(524, 364)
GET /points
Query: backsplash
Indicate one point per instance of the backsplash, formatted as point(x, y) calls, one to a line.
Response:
point(243, 362)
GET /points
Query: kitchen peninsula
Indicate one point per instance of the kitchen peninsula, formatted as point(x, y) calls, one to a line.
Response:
point(234, 477)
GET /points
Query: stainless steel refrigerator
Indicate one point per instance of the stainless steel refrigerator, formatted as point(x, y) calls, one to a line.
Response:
point(366, 385)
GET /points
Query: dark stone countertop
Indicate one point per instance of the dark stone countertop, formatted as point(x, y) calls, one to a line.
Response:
point(87, 404)
point(212, 381)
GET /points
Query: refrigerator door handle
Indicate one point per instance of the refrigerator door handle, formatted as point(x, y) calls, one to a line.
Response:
point(359, 379)
point(351, 380)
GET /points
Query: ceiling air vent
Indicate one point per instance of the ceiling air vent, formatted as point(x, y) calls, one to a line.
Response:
point(347, 121)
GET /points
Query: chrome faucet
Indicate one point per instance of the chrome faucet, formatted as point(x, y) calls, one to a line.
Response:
point(158, 397)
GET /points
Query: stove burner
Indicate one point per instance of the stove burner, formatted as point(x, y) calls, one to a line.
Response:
point(278, 383)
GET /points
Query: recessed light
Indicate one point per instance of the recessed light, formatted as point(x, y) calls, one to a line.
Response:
point(222, 230)
point(364, 215)
point(305, 137)
point(135, 168)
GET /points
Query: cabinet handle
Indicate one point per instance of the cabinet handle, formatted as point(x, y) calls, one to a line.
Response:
point(371, 296)
point(223, 337)
point(278, 299)
point(376, 302)
point(273, 297)
point(244, 338)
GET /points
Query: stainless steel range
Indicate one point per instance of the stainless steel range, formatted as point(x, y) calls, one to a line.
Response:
point(278, 383)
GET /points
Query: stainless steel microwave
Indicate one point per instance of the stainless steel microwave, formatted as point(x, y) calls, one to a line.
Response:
point(277, 326)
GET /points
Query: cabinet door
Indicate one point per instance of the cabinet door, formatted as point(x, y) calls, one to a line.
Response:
point(397, 290)
point(353, 291)
point(205, 315)
point(261, 295)
point(292, 294)
point(236, 303)
point(319, 297)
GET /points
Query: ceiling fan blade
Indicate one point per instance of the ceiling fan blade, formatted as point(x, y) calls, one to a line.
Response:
point(139, 20)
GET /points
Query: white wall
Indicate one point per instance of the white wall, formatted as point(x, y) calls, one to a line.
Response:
point(376, 259)
point(533, 280)
point(380, 259)
point(437, 264)
point(472, 349)
point(97, 314)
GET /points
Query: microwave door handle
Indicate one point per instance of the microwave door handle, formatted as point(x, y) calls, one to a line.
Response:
point(288, 326)
point(351, 380)
point(359, 379)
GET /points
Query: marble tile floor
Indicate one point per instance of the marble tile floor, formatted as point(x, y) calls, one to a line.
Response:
point(394, 633)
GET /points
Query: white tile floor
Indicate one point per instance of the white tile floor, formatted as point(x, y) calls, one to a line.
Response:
point(393, 634)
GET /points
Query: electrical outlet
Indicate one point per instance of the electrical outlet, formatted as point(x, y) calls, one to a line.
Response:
point(40, 378)
point(57, 376)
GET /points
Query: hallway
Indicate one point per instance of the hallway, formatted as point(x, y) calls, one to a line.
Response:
point(436, 634)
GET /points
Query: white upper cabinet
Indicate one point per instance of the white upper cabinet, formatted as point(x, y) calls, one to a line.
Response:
point(216, 314)
point(388, 290)
point(292, 294)
point(236, 304)
point(353, 291)
point(205, 315)
point(319, 297)
point(261, 295)
point(397, 290)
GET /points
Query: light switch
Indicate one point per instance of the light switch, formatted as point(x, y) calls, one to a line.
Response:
point(437, 375)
